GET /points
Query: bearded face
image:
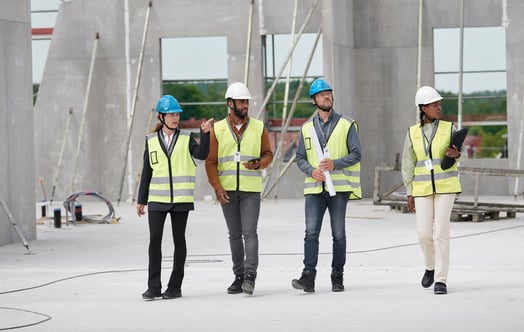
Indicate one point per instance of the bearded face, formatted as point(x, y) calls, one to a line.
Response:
point(240, 107)
point(323, 100)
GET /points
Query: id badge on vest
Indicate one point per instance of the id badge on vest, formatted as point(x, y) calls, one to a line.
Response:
point(429, 164)
point(236, 158)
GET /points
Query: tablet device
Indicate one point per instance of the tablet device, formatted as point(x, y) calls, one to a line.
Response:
point(457, 139)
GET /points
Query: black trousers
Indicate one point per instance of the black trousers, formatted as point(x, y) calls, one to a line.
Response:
point(156, 228)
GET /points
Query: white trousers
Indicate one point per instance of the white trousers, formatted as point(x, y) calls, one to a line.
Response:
point(433, 222)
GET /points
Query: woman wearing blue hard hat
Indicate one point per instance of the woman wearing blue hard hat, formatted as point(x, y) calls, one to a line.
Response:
point(167, 186)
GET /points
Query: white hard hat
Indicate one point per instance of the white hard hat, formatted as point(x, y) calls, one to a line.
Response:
point(238, 90)
point(426, 95)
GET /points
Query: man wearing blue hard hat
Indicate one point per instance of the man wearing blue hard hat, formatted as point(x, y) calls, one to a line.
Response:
point(167, 185)
point(329, 154)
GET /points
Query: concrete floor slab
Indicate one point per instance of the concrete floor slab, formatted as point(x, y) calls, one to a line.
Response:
point(89, 277)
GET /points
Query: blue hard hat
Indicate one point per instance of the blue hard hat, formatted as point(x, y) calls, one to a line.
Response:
point(168, 104)
point(317, 86)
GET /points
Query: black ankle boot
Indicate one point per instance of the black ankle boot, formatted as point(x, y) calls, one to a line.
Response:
point(248, 285)
point(306, 281)
point(337, 282)
point(236, 286)
point(440, 288)
point(428, 278)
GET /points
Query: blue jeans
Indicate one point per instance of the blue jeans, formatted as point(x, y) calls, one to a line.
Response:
point(315, 207)
point(241, 214)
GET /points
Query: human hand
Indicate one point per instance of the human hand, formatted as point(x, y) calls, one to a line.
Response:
point(318, 175)
point(222, 196)
point(326, 164)
point(411, 204)
point(452, 152)
point(140, 210)
point(207, 125)
point(252, 164)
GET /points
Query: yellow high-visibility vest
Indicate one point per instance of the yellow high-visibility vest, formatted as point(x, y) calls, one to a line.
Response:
point(344, 180)
point(173, 179)
point(437, 181)
point(232, 152)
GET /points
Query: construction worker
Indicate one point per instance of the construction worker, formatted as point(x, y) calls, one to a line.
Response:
point(430, 189)
point(167, 187)
point(332, 169)
point(239, 150)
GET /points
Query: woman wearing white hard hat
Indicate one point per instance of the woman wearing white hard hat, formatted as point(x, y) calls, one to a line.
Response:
point(430, 188)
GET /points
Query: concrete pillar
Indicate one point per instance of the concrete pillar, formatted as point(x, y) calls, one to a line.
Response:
point(515, 86)
point(16, 121)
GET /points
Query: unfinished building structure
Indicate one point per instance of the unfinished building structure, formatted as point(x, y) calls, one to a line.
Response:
point(103, 76)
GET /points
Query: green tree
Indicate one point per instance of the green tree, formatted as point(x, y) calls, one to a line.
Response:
point(481, 103)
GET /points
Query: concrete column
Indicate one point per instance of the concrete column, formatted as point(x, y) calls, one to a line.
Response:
point(16, 121)
point(515, 87)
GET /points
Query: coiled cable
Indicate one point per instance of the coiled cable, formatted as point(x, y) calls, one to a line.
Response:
point(69, 205)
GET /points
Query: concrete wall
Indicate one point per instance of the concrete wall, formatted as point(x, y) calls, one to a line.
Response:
point(370, 57)
point(64, 84)
point(16, 121)
point(385, 76)
point(369, 52)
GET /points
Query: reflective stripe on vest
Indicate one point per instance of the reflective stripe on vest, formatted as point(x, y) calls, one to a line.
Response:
point(232, 174)
point(175, 185)
point(438, 181)
point(345, 180)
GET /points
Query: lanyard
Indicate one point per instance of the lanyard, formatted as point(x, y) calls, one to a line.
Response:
point(427, 142)
point(325, 133)
point(237, 139)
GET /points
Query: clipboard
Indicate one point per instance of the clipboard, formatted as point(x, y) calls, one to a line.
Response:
point(457, 139)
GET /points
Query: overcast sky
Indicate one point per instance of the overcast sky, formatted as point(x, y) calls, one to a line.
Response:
point(484, 50)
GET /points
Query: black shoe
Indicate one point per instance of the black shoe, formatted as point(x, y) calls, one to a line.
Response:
point(236, 286)
point(427, 279)
point(306, 281)
point(440, 288)
point(248, 285)
point(337, 282)
point(172, 293)
point(151, 294)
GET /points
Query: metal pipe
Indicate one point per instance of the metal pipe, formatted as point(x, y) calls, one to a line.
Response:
point(282, 173)
point(61, 155)
point(289, 53)
point(519, 150)
point(292, 111)
point(248, 44)
point(297, 96)
point(286, 89)
point(461, 65)
point(419, 48)
point(84, 111)
point(476, 191)
point(13, 224)
point(133, 107)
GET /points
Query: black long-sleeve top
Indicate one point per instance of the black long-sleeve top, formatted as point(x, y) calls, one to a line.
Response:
point(197, 151)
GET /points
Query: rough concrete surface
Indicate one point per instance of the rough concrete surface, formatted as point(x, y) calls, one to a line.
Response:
point(90, 277)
